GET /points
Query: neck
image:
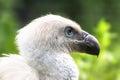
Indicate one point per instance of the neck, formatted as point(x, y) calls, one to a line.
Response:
point(53, 66)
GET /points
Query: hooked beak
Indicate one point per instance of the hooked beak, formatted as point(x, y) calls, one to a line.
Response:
point(90, 44)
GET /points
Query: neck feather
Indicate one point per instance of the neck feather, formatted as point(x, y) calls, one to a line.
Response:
point(51, 65)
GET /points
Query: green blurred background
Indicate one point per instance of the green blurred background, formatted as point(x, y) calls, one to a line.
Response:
point(98, 17)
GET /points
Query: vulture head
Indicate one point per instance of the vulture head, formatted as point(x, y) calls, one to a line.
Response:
point(56, 34)
point(46, 43)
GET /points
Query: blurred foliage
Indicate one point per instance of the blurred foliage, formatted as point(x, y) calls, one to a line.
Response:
point(7, 27)
point(7, 33)
point(88, 13)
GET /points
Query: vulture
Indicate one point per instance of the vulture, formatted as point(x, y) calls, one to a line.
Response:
point(44, 47)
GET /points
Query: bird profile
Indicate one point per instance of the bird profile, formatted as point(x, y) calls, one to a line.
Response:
point(45, 45)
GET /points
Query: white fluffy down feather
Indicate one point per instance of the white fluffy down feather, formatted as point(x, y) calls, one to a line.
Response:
point(44, 50)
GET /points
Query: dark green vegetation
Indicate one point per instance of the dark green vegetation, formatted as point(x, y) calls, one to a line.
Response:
point(99, 17)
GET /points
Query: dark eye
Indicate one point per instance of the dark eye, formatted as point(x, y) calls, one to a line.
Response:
point(69, 32)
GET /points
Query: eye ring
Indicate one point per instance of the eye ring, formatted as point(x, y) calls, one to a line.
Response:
point(69, 32)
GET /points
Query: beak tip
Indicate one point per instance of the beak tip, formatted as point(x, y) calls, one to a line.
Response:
point(94, 50)
point(93, 45)
point(97, 51)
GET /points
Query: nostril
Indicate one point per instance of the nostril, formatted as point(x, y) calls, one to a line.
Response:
point(84, 34)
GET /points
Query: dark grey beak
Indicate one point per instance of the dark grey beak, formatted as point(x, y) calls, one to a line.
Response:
point(91, 45)
point(87, 44)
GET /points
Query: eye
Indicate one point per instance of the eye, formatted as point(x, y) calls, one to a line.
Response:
point(69, 32)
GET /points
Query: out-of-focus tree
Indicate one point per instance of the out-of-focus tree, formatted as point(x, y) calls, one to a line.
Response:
point(8, 26)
